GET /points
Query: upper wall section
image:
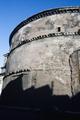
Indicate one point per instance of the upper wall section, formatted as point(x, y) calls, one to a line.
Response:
point(62, 20)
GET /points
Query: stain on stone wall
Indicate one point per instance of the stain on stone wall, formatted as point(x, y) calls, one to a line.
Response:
point(48, 45)
point(75, 71)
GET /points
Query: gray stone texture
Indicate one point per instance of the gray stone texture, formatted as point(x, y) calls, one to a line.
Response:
point(53, 61)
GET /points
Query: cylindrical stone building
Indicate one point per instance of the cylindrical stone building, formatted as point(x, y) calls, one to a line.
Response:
point(44, 49)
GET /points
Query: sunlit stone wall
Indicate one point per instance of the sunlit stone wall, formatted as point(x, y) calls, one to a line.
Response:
point(1, 83)
point(45, 49)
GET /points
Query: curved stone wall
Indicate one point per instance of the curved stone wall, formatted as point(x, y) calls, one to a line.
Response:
point(47, 53)
point(48, 48)
point(65, 23)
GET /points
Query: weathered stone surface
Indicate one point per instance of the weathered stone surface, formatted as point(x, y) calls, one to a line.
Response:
point(53, 61)
point(1, 82)
point(68, 22)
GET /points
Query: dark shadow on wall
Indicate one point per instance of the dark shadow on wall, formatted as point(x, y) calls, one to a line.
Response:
point(41, 98)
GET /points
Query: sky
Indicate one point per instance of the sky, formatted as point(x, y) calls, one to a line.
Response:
point(12, 12)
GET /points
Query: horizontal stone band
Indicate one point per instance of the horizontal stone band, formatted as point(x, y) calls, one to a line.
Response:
point(42, 37)
point(44, 14)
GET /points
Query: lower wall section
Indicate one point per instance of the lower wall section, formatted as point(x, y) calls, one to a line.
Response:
point(40, 99)
point(38, 79)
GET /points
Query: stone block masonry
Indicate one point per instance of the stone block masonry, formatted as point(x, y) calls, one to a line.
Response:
point(46, 50)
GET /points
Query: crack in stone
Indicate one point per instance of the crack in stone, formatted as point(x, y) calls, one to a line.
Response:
point(71, 75)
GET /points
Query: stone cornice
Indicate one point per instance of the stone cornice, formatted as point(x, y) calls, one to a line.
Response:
point(44, 14)
point(42, 37)
point(16, 73)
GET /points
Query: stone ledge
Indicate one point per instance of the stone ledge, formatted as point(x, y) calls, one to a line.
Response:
point(42, 37)
point(44, 14)
point(16, 73)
